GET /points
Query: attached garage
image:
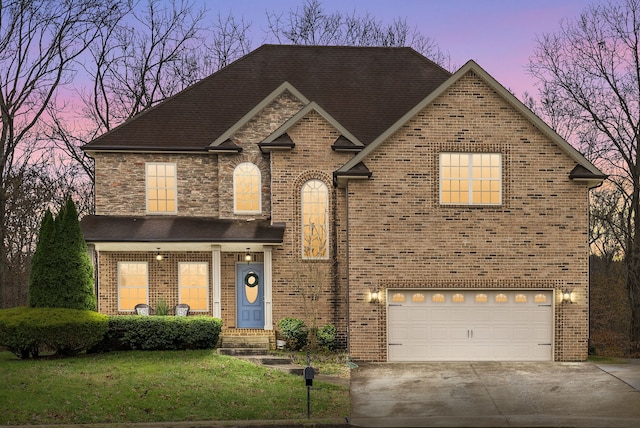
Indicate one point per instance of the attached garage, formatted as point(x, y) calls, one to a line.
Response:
point(470, 325)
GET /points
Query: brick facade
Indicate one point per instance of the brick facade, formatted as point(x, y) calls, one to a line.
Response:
point(389, 231)
point(401, 237)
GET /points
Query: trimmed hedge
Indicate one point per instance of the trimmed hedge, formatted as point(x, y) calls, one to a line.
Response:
point(29, 331)
point(160, 333)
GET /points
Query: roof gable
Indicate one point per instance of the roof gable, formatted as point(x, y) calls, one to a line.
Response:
point(312, 106)
point(280, 90)
point(471, 66)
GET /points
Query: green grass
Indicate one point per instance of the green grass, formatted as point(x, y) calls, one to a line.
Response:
point(327, 363)
point(607, 360)
point(156, 386)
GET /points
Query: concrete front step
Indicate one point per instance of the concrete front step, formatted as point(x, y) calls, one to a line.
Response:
point(260, 342)
point(277, 363)
point(269, 360)
point(239, 352)
point(255, 349)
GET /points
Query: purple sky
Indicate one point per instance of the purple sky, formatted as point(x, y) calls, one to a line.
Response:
point(498, 34)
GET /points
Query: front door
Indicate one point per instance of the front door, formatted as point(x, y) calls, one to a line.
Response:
point(250, 296)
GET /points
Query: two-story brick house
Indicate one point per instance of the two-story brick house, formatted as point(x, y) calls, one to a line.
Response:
point(427, 215)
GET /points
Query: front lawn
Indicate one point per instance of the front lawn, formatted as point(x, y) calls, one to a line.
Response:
point(156, 386)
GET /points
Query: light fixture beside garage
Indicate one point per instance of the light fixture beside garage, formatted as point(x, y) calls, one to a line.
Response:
point(374, 297)
point(568, 296)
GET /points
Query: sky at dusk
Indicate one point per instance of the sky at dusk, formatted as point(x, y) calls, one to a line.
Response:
point(498, 34)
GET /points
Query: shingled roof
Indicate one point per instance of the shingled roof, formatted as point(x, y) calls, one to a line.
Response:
point(366, 90)
point(104, 228)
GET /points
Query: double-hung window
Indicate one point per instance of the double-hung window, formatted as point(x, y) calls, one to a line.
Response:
point(193, 283)
point(161, 188)
point(132, 284)
point(470, 178)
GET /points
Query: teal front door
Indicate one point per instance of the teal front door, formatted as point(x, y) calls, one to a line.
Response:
point(250, 295)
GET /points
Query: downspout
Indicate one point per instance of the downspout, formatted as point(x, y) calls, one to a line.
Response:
point(348, 256)
point(96, 273)
point(334, 265)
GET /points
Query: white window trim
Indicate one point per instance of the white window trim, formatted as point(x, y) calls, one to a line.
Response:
point(248, 212)
point(146, 285)
point(326, 228)
point(208, 283)
point(470, 190)
point(146, 189)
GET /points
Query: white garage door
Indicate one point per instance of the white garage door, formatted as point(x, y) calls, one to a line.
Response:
point(469, 325)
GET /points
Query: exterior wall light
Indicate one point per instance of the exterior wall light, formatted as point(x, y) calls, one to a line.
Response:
point(568, 296)
point(374, 297)
point(247, 257)
point(159, 256)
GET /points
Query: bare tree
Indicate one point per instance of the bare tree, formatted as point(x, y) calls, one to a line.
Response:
point(311, 25)
point(149, 52)
point(229, 40)
point(42, 182)
point(313, 284)
point(39, 40)
point(608, 232)
point(589, 72)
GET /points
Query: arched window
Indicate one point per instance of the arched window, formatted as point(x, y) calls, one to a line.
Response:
point(247, 198)
point(315, 221)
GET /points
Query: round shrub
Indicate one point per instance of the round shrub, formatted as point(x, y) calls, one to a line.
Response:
point(294, 332)
point(29, 331)
point(327, 337)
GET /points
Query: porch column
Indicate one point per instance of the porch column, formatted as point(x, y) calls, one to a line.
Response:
point(268, 295)
point(216, 281)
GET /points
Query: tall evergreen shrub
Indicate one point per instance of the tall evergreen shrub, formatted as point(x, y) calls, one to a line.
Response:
point(63, 270)
point(41, 282)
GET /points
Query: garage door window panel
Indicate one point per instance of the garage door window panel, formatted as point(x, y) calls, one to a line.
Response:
point(418, 298)
point(540, 298)
point(398, 298)
point(520, 298)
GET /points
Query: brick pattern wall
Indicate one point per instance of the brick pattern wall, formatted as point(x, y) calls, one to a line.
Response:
point(312, 158)
point(398, 234)
point(162, 277)
point(248, 137)
point(121, 185)
point(537, 238)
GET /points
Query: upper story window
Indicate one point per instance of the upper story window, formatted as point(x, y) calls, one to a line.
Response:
point(247, 189)
point(470, 178)
point(315, 220)
point(161, 188)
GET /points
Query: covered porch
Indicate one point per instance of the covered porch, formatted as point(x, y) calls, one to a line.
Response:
point(224, 267)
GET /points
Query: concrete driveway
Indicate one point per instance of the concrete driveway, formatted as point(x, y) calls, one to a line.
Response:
point(495, 394)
